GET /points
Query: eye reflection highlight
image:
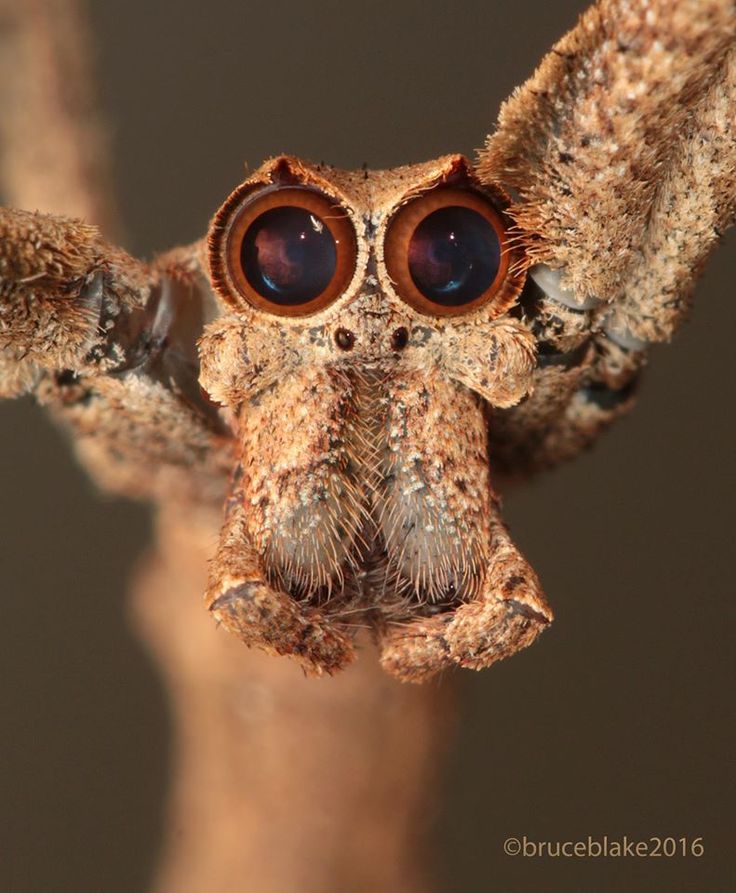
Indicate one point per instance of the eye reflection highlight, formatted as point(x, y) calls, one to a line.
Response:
point(289, 250)
point(288, 256)
point(447, 253)
point(454, 256)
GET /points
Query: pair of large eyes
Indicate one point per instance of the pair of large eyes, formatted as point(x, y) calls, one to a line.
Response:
point(292, 251)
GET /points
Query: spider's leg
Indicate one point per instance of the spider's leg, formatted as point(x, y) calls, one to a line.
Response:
point(583, 382)
point(621, 157)
point(694, 204)
point(108, 343)
point(595, 139)
point(51, 293)
point(241, 598)
point(508, 613)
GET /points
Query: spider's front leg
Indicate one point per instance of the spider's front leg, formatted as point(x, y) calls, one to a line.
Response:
point(108, 343)
point(54, 306)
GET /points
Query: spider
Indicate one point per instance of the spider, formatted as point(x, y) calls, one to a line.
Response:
point(351, 361)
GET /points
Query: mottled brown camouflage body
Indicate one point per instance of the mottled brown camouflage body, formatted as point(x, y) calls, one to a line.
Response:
point(360, 483)
point(363, 484)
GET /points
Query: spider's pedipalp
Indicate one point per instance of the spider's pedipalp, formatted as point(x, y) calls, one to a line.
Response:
point(240, 597)
point(508, 614)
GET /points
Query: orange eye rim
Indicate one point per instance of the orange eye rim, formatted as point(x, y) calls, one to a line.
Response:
point(509, 279)
point(328, 210)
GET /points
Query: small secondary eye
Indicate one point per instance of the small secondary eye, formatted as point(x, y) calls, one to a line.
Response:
point(445, 253)
point(291, 251)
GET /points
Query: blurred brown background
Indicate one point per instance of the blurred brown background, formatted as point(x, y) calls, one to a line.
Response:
point(618, 721)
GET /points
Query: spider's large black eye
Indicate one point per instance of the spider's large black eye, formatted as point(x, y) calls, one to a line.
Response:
point(446, 253)
point(291, 251)
point(288, 256)
point(454, 256)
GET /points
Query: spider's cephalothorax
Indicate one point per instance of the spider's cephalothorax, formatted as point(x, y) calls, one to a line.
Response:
point(369, 335)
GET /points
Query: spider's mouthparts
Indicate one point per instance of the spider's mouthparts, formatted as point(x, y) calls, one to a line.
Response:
point(368, 491)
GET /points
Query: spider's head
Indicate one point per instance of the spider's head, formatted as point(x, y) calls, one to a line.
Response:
point(368, 325)
point(391, 271)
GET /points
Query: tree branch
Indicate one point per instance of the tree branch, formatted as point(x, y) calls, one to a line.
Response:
point(283, 782)
point(53, 144)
